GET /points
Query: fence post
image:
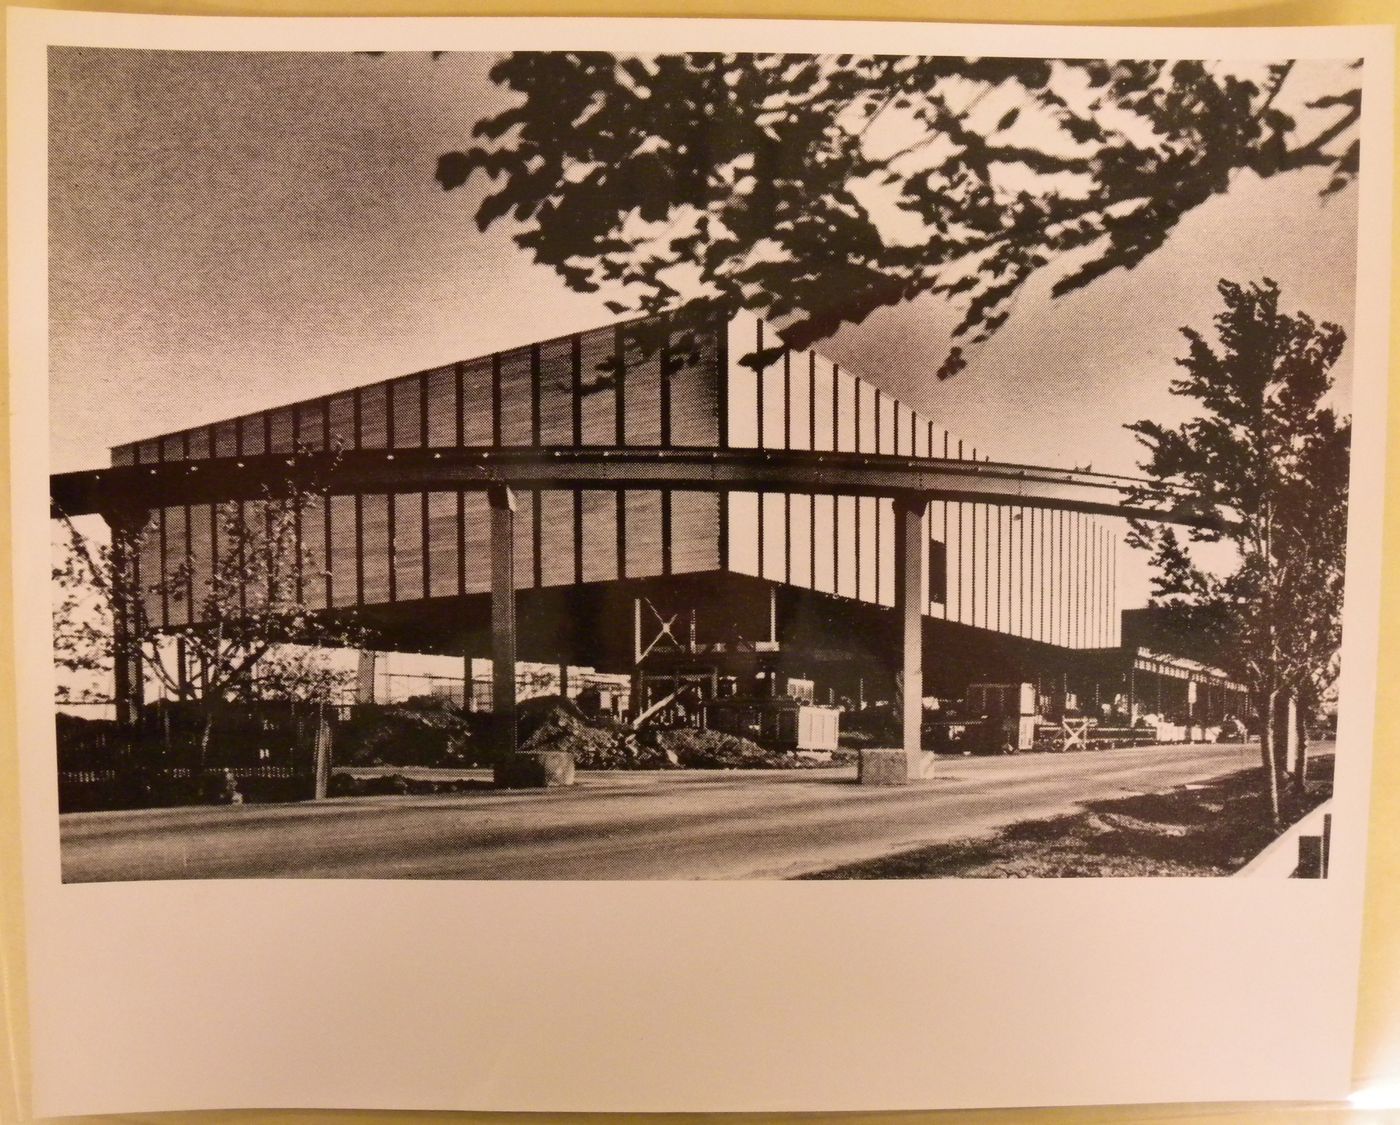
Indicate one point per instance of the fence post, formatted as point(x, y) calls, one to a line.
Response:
point(1326, 843)
point(323, 756)
point(1309, 858)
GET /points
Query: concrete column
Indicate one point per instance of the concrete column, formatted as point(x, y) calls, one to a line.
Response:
point(182, 669)
point(514, 770)
point(911, 593)
point(894, 767)
point(323, 757)
point(128, 673)
point(122, 671)
point(503, 616)
point(365, 676)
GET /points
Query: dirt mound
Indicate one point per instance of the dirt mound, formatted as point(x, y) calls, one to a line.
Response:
point(427, 732)
point(549, 723)
point(711, 749)
point(431, 733)
point(396, 785)
point(550, 710)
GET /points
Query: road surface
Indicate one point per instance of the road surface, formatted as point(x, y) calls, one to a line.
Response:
point(620, 825)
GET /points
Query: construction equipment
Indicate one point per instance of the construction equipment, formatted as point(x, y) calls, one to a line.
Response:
point(735, 685)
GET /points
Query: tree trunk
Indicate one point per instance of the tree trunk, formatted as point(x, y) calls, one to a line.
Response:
point(1285, 743)
point(323, 758)
point(1300, 770)
point(1269, 753)
point(204, 738)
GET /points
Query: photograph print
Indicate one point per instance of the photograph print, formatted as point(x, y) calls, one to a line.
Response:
point(572, 465)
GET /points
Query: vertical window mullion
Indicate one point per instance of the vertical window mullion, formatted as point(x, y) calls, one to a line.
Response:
point(359, 549)
point(620, 377)
point(576, 382)
point(460, 394)
point(461, 542)
point(666, 532)
point(496, 399)
point(426, 562)
point(535, 420)
point(664, 405)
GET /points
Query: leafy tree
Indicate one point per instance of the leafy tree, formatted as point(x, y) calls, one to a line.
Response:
point(82, 621)
point(814, 190)
point(250, 616)
point(1266, 448)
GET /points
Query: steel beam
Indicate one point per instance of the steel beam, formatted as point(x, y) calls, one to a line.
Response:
point(564, 467)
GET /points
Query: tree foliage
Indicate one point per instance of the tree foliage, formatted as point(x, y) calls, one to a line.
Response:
point(82, 619)
point(1267, 448)
point(248, 614)
point(814, 190)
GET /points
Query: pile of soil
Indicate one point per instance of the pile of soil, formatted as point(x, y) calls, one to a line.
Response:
point(715, 750)
point(551, 723)
point(396, 785)
point(435, 734)
point(429, 732)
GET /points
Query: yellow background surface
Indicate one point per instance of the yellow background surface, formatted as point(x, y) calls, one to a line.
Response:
point(1376, 1074)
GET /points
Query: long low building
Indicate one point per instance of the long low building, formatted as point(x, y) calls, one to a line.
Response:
point(1042, 575)
point(1010, 592)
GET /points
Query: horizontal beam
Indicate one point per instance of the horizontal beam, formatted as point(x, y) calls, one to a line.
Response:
point(710, 470)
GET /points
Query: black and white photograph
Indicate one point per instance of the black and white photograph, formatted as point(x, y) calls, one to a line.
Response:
point(569, 465)
point(585, 565)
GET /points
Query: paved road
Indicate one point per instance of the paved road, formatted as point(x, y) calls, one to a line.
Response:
point(703, 825)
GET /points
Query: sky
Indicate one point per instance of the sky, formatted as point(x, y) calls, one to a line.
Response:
point(233, 231)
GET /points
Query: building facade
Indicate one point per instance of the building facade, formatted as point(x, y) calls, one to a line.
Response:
point(692, 381)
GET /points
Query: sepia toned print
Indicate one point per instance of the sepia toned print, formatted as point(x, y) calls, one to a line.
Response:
point(698, 466)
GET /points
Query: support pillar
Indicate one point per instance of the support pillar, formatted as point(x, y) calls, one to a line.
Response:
point(366, 668)
point(911, 592)
point(128, 672)
point(323, 756)
point(127, 708)
point(503, 617)
point(182, 669)
point(514, 770)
